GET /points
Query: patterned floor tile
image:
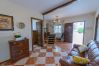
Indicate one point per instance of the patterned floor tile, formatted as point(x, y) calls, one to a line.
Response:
point(37, 50)
point(22, 61)
point(38, 47)
point(44, 56)
point(49, 54)
point(49, 49)
point(29, 65)
point(56, 54)
point(34, 54)
point(40, 65)
point(40, 60)
point(18, 65)
point(57, 60)
point(43, 50)
point(50, 60)
point(50, 64)
point(31, 60)
point(58, 65)
point(57, 50)
point(63, 53)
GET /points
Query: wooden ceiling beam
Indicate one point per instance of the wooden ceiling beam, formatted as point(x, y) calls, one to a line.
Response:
point(63, 5)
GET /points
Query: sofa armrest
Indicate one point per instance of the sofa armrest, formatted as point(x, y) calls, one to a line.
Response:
point(68, 62)
point(92, 64)
point(76, 45)
point(63, 63)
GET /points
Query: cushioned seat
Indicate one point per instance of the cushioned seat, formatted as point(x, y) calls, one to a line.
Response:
point(92, 54)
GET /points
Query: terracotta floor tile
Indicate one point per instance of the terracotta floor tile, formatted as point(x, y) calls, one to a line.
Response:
point(41, 60)
point(50, 60)
point(50, 64)
point(63, 50)
point(56, 54)
point(31, 60)
point(40, 65)
point(43, 47)
point(58, 65)
point(49, 49)
point(45, 56)
point(49, 54)
point(37, 50)
point(22, 61)
point(18, 65)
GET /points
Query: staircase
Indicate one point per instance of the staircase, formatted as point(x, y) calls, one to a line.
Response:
point(51, 39)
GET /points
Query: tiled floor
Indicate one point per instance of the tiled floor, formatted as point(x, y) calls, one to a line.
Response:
point(44, 56)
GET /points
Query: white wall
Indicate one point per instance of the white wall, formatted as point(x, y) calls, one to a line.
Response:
point(89, 20)
point(20, 14)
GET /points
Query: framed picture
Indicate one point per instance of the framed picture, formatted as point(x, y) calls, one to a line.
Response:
point(6, 22)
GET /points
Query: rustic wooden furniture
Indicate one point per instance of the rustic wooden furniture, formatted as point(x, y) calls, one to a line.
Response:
point(19, 49)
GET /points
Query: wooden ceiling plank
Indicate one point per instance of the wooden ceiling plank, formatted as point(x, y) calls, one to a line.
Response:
point(63, 5)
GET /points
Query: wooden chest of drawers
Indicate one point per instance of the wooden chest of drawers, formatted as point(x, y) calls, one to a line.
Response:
point(19, 49)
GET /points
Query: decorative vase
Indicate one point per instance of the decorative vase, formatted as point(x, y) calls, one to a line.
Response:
point(18, 39)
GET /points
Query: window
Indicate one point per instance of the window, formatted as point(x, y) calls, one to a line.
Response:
point(57, 29)
point(34, 26)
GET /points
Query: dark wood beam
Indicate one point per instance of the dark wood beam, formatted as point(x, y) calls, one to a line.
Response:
point(63, 5)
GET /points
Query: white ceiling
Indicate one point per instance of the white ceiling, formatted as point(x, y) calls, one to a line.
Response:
point(39, 5)
point(76, 8)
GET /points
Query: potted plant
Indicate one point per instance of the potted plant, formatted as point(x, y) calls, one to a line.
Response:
point(17, 36)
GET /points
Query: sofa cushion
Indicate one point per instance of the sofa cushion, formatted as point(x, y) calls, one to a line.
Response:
point(82, 48)
point(90, 44)
point(93, 52)
point(97, 60)
point(74, 52)
point(80, 60)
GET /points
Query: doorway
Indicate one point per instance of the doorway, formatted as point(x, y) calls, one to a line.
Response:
point(78, 33)
point(68, 32)
point(36, 26)
point(74, 32)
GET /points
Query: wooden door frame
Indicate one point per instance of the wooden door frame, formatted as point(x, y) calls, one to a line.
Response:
point(96, 26)
point(84, 28)
point(32, 30)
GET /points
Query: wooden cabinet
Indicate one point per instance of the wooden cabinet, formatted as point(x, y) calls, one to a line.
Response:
point(19, 49)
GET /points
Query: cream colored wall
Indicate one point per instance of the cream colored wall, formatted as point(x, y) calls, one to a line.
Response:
point(20, 14)
point(89, 20)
